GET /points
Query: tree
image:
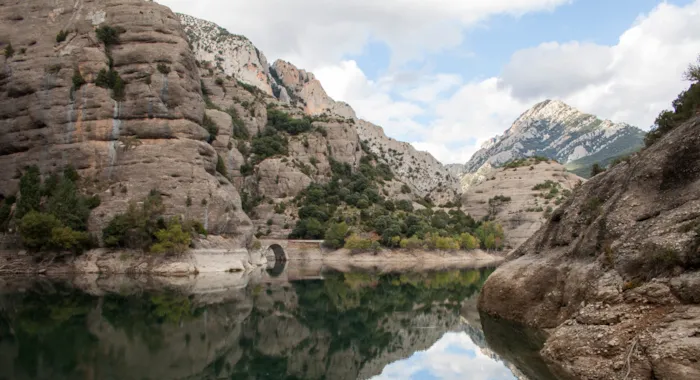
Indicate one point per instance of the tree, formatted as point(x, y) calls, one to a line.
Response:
point(69, 206)
point(335, 235)
point(36, 230)
point(30, 192)
point(596, 169)
point(693, 72)
point(468, 241)
point(172, 240)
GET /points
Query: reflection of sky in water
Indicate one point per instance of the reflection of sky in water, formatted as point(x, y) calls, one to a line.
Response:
point(454, 356)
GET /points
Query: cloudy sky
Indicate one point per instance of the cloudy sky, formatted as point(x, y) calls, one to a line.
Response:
point(452, 357)
point(446, 75)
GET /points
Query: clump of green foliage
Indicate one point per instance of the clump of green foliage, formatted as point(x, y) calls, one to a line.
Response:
point(109, 35)
point(144, 227)
point(78, 80)
point(269, 143)
point(9, 50)
point(221, 166)
point(520, 162)
point(163, 68)
point(596, 169)
point(53, 215)
point(684, 107)
point(211, 128)
point(61, 36)
point(111, 79)
point(353, 199)
point(282, 122)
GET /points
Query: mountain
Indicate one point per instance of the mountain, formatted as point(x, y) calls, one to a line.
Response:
point(613, 275)
point(219, 51)
point(555, 130)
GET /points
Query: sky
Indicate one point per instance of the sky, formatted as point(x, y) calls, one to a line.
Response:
point(446, 75)
point(453, 356)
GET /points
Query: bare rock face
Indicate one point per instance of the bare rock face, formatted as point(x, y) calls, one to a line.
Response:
point(232, 54)
point(420, 170)
point(45, 121)
point(532, 192)
point(614, 272)
point(309, 91)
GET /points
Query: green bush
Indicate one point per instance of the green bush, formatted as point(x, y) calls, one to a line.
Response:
point(36, 230)
point(335, 235)
point(468, 242)
point(357, 244)
point(9, 51)
point(29, 192)
point(281, 121)
point(136, 227)
point(413, 242)
point(65, 238)
point(61, 36)
point(596, 169)
point(69, 206)
point(111, 79)
point(163, 68)
point(109, 35)
point(685, 106)
point(269, 144)
point(171, 240)
point(78, 80)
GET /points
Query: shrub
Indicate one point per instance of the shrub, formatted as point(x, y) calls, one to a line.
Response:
point(9, 51)
point(490, 235)
point(211, 128)
point(357, 244)
point(36, 230)
point(219, 81)
point(30, 192)
point(111, 79)
point(68, 205)
point(221, 166)
point(137, 226)
point(78, 80)
point(108, 35)
point(61, 36)
point(413, 242)
point(281, 121)
point(171, 240)
point(246, 169)
point(335, 235)
point(405, 189)
point(596, 169)
point(684, 107)
point(66, 238)
point(468, 241)
point(163, 68)
point(269, 144)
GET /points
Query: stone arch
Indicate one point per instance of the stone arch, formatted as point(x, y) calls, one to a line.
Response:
point(277, 268)
point(278, 251)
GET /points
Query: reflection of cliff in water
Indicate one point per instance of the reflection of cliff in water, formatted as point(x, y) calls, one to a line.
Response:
point(346, 326)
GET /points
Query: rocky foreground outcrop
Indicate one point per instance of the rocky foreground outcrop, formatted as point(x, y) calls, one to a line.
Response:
point(613, 275)
point(151, 137)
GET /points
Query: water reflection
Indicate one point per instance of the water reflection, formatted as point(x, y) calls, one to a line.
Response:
point(295, 324)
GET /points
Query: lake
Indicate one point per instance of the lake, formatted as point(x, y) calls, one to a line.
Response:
point(279, 323)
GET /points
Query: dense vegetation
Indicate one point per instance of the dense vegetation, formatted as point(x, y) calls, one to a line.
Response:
point(145, 227)
point(685, 106)
point(527, 161)
point(50, 216)
point(349, 211)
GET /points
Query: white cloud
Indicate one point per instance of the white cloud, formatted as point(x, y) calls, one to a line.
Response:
point(312, 33)
point(454, 356)
point(630, 81)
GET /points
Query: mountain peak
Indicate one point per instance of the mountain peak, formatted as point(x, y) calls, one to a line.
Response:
point(559, 131)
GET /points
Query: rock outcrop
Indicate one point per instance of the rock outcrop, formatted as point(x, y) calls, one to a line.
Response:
point(520, 199)
point(614, 273)
point(150, 138)
point(232, 54)
point(556, 130)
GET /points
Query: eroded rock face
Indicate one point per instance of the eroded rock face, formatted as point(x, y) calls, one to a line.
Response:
point(45, 121)
point(232, 54)
point(530, 196)
point(613, 272)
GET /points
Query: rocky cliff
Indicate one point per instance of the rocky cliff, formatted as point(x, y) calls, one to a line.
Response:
point(556, 130)
point(614, 273)
point(233, 56)
point(145, 133)
point(521, 199)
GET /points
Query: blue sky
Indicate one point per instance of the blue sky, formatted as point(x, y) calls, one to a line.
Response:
point(447, 75)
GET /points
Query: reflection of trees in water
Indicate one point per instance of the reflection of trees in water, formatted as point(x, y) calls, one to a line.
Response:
point(314, 329)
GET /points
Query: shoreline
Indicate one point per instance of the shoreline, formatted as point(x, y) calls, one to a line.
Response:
point(194, 262)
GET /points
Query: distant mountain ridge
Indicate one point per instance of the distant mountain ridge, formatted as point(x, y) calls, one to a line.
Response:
point(556, 130)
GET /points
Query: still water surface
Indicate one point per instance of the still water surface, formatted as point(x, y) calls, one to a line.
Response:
point(328, 326)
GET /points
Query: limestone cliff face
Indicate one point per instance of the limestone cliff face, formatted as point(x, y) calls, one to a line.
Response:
point(234, 55)
point(614, 273)
point(44, 121)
